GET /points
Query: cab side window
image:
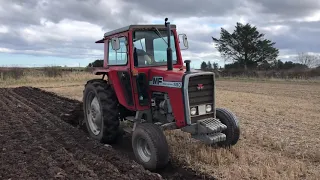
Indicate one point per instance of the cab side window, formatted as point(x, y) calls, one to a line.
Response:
point(119, 57)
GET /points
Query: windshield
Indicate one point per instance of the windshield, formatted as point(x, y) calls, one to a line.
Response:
point(150, 49)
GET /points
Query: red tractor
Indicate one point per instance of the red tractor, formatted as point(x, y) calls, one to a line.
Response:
point(149, 86)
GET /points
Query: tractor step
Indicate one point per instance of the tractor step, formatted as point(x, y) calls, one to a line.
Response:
point(210, 138)
point(208, 130)
point(210, 125)
point(130, 118)
point(205, 126)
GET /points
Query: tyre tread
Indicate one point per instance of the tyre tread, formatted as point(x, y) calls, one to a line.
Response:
point(232, 123)
point(109, 106)
point(158, 140)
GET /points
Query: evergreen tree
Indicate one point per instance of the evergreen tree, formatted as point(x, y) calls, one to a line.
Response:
point(209, 65)
point(246, 46)
point(204, 66)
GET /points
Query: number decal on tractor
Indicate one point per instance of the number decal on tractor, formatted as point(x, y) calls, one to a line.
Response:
point(158, 81)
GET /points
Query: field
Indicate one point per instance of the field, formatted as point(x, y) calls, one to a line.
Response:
point(280, 133)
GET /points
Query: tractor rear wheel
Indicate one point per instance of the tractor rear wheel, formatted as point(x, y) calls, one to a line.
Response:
point(101, 114)
point(150, 146)
point(233, 130)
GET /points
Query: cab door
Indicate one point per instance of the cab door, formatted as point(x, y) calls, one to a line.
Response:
point(119, 69)
point(140, 83)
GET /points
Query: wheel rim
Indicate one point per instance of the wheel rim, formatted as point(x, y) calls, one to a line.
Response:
point(94, 116)
point(143, 150)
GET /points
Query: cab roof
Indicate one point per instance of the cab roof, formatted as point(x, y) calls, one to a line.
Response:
point(136, 26)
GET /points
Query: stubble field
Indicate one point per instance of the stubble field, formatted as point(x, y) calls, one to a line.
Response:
point(280, 135)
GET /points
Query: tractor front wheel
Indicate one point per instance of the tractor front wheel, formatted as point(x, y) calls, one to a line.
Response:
point(150, 146)
point(233, 130)
point(101, 114)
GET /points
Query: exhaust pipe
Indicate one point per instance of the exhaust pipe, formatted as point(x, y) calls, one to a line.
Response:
point(169, 50)
point(187, 66)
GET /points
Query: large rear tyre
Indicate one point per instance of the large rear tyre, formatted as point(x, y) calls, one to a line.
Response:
point(101, 114)
point(150, 146)
point(233, 130)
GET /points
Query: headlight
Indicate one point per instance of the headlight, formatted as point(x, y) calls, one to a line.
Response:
point(193, 111)
point(208, 108)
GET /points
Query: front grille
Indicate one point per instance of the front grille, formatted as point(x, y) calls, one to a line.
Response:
point(204, 96)
point(197, 97)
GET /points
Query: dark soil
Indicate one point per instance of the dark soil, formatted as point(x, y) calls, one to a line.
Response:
point(40, 139)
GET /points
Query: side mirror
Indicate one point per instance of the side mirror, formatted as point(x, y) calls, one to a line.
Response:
point(115, 43)
point(184, 40)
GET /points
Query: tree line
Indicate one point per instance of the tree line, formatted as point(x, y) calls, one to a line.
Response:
point(275, 65)
point(208, 66)
point(250, 53)
point(96, 63)
point(247, 49)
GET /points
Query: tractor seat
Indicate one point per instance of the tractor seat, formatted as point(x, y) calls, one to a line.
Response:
point(142, 57)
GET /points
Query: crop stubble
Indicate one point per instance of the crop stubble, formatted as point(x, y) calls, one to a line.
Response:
point(285, 117)
point(280, 124)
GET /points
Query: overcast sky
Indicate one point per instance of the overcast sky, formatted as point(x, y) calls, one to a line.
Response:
point(62, 32)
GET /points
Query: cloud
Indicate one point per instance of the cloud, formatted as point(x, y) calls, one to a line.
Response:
point(290, 9)
point(69, 28)
point(185, 8)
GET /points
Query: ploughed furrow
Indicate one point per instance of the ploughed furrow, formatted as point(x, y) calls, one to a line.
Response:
point(68, 143)
point(67, 109)
point(62, 103)
point(53, 148)
point(8, 140)
point(20, 157)
point(49, 147)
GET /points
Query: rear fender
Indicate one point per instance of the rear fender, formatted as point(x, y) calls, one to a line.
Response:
point(100, 71)
point(123, 88)
point(124, 92)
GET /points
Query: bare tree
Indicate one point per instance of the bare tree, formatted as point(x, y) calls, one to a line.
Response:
point(308, 59)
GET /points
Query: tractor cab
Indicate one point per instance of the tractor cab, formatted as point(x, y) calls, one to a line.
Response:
point(150, 47)
point(144, 46)
point(148, 85)
point(134, 57)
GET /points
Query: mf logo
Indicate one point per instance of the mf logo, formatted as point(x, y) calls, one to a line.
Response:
point(157, 80)
point(200, 87)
